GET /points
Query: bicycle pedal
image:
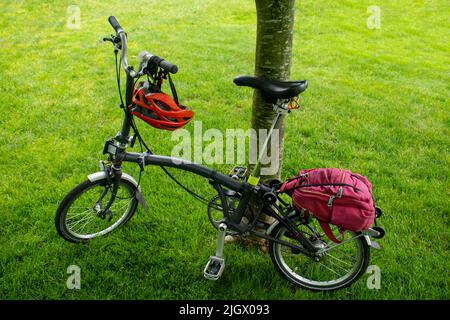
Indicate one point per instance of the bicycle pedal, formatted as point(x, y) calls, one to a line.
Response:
point(238, 173)
point(214, 268)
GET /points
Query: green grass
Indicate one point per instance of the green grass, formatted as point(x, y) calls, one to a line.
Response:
point(378, 103)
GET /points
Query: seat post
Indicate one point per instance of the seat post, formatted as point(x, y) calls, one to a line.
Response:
point(280, 107)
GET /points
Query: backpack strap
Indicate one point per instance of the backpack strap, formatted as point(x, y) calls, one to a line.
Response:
point(326, 228)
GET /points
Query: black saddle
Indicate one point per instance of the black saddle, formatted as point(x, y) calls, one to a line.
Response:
point(272, 90)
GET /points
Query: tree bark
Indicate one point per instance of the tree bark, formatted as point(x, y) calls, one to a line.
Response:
point(275, 21)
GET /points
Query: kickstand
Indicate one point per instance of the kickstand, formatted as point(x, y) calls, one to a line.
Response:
point(216, 264)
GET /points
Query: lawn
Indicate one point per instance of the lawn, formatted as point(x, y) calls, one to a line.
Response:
point(377, 103)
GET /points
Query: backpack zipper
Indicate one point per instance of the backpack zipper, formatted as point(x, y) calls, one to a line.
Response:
point(338, 195)
point(330, 198)
point(330, 201)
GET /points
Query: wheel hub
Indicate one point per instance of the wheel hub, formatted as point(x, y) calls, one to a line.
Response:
point(319, 245)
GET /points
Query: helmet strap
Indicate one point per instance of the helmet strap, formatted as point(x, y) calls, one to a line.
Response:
point(174, 91)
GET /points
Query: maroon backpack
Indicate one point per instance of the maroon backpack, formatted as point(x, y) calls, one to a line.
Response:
point(335, 196)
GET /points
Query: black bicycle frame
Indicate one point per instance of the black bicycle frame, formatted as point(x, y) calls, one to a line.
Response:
point(217, 179)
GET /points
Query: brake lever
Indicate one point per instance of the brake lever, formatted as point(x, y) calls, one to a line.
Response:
point(111, 38)
point(114, 39)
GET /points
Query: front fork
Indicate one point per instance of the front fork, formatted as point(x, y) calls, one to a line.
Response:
point(113, 147)
point(116, 175)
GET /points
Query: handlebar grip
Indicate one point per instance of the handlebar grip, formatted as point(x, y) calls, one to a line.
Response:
point(114, 23)
point(166, 65)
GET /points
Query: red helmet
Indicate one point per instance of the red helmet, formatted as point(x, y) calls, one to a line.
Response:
point(159, 109)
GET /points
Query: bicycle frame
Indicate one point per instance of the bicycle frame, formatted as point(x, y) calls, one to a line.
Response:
point(116, 149)
point(218, 180)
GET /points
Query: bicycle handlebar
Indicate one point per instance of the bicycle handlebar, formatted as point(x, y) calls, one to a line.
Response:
point(145, 58)
point(115, 24)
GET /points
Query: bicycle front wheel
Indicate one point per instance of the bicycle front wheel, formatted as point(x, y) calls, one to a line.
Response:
point(80, 217)
point(337, 267)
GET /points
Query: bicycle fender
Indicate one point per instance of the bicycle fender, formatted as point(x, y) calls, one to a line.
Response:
point(372, 244)
point(102, 175)
point(369, 242)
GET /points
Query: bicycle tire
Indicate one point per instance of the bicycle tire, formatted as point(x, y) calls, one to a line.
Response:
point(79, 190)
point(287, 271)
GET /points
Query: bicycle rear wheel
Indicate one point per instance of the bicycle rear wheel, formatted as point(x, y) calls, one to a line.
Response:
point(79, 217)
point(336, 268)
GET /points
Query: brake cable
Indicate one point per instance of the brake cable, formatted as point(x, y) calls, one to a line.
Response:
point(118, 79)
point(170, 175)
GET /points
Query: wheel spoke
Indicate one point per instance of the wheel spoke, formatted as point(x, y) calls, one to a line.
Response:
point(329, 269)
point(117, 204)
point(87, 217)
point(344, 253)
point(125, 205)
point(341, 261)
point(77, 214)
point(86, 222)
point(334, 264)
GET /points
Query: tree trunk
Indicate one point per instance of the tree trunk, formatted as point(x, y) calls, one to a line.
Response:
point(275, 21)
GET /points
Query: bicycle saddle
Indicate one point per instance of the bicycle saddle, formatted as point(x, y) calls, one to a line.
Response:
point(272, 89)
